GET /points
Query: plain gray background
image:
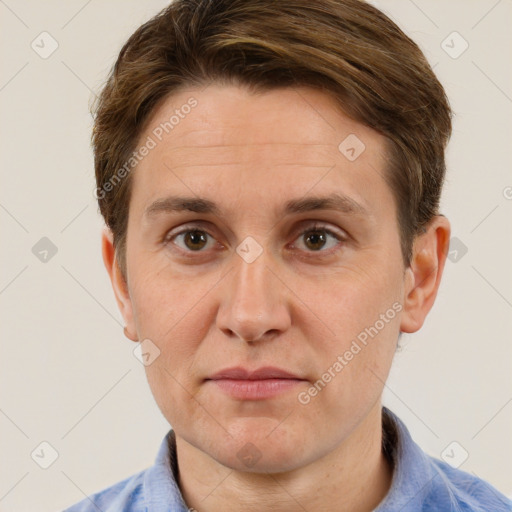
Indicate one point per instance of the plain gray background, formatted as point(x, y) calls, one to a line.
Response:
point(68, 375)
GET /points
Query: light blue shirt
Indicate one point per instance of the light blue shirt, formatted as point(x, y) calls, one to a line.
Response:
point(420, 483)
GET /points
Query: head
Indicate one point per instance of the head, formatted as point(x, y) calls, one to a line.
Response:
point(270, 175)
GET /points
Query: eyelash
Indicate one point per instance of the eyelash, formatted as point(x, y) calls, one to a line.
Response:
point(316, 227)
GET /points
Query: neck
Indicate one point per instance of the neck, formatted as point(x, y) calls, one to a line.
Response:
point(354, 477)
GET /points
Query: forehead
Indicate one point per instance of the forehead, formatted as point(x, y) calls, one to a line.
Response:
point(218, 111)
point(280, 143)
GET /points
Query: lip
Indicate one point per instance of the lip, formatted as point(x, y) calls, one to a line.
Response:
point(265, 372)
point(259, 384)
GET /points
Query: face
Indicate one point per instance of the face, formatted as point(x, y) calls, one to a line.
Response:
point(255, 243)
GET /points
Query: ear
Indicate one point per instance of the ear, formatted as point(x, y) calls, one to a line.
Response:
point(423, 276)
point(119, 284)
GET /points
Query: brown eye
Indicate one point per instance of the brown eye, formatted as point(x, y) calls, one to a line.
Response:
point(191, 239)
point(315, 240)
point(318, 239)
point(195, 240)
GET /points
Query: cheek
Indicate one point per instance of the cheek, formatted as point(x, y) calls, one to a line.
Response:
point(172, 310)
point(364, 316)
point(165, 301)
point(357, 298)
point(173, 394)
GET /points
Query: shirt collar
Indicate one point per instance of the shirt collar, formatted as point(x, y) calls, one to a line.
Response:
point(161, 491)
point(411, 482)
point(413, 471)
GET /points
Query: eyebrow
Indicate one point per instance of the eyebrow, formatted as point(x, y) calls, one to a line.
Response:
point(335, 201)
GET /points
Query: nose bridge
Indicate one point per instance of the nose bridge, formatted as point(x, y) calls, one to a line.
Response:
point(252, 287)
point(254, 302)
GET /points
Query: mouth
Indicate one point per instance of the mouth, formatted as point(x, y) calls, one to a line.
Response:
point(260, 384)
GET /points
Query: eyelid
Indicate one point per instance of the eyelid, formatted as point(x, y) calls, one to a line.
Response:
point(313, 225)
point(194, 226)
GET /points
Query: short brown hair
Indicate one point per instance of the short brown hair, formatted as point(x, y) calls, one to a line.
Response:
point(346, 48)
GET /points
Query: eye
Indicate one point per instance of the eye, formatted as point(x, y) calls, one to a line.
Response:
point(192, 239)
point(316, 239)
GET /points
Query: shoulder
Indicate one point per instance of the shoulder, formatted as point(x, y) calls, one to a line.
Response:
point(126, 495)
point(154, 488)
point(424, 483)
point(456, 490)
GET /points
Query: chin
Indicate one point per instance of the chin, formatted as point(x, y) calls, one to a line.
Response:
point(250, 459)
point(261, 445)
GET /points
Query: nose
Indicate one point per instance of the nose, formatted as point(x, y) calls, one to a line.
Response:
point(255, 302)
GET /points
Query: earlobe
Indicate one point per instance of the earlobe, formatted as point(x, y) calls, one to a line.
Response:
point(119, 285)
point(423, 276)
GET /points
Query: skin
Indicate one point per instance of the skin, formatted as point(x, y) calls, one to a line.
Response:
point(297, 306)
